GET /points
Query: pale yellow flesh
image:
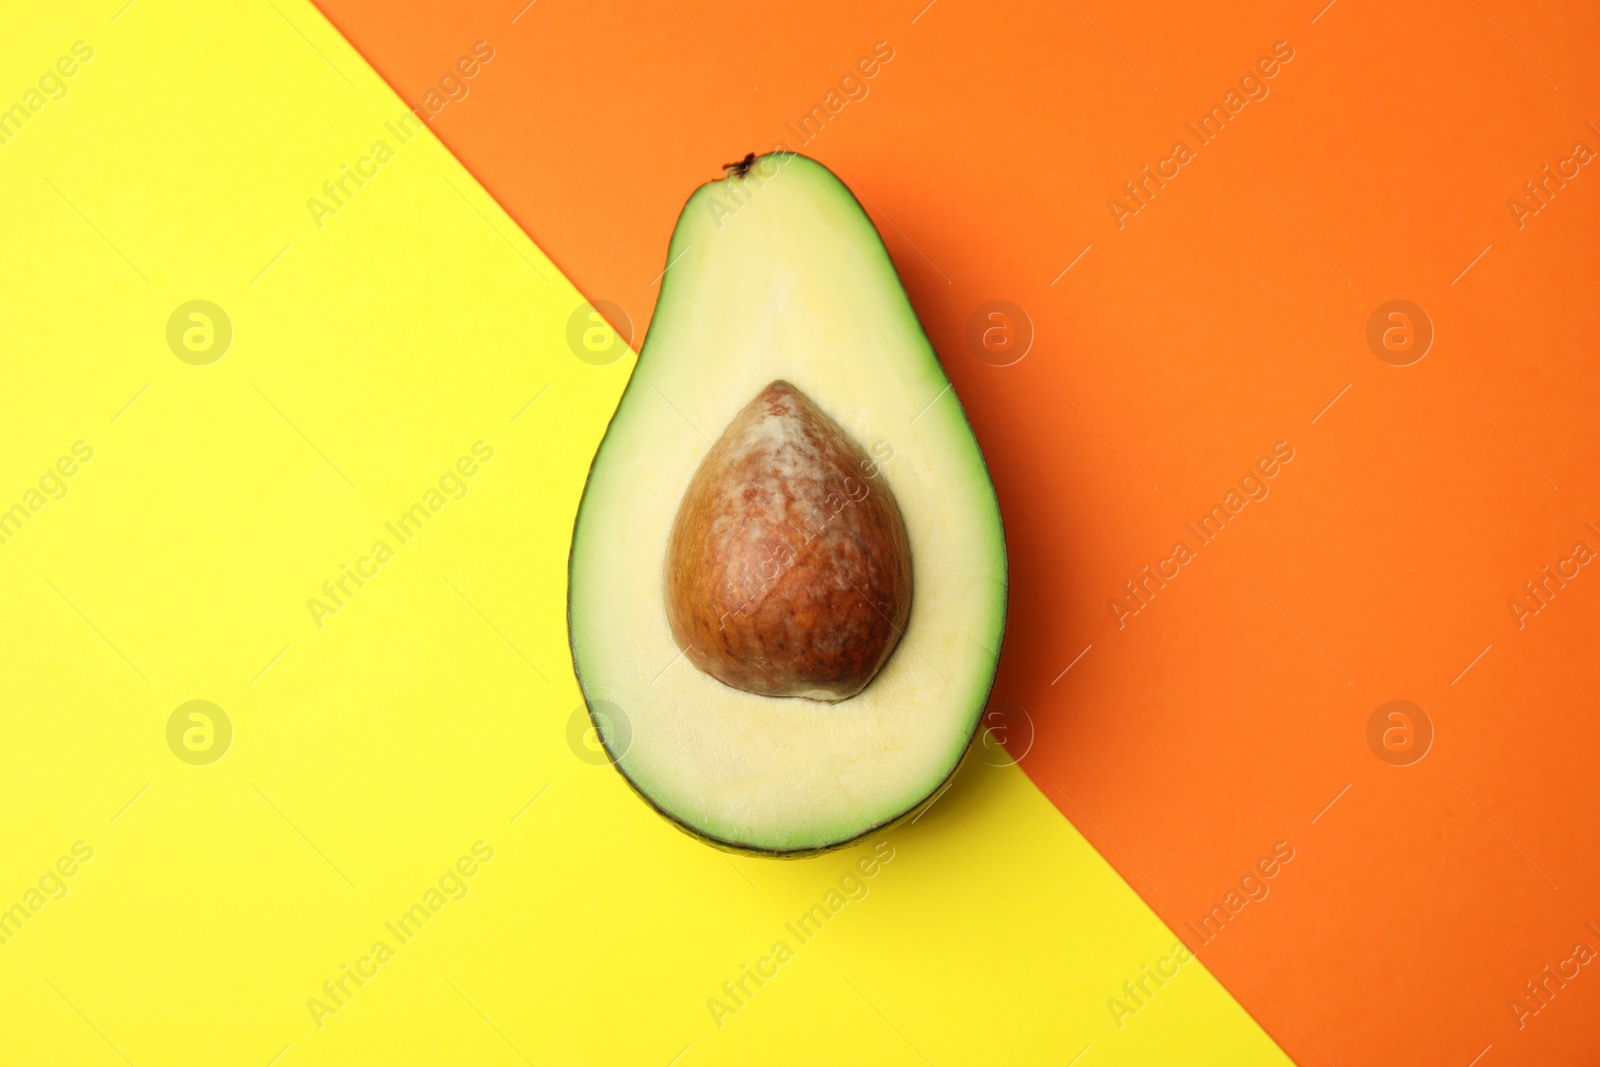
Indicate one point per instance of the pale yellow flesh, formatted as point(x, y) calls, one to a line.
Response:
point(795, 285)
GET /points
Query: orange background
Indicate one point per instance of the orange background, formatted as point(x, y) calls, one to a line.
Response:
point(1222, 318)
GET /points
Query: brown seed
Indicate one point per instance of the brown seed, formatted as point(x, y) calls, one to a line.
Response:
point(788, 569)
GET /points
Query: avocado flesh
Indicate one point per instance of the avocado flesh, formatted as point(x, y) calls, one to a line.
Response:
point(774, 274)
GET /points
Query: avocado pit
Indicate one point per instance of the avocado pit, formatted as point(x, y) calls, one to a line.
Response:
point(788, 570)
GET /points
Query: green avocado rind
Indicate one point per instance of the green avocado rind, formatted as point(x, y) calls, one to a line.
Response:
point(819, 840)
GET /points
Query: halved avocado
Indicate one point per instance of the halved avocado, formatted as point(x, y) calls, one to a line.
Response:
point(780, 300)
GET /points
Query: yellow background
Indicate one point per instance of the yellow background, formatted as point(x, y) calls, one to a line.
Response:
point(369, 754)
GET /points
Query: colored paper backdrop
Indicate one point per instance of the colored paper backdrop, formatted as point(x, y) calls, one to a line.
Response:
point(294, 766)
point(1201, 220)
